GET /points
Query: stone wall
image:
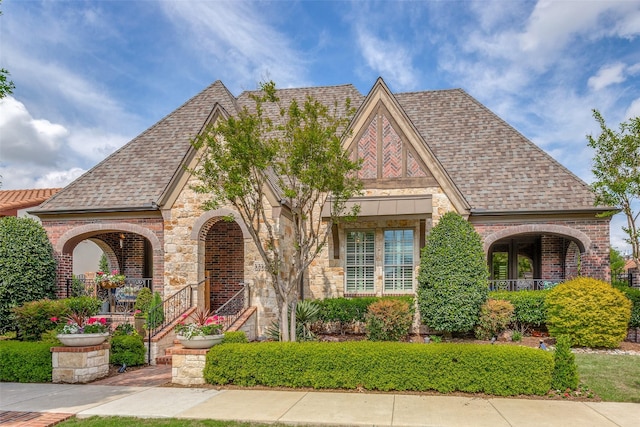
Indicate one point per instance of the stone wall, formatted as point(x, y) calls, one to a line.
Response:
point(187, 366)
point(80, 364)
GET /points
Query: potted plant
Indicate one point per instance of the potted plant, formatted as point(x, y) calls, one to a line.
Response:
point(141, 309)
point(81, 328)
point(203, 332)
point(110, 280)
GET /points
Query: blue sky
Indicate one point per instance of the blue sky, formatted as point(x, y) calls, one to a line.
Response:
point(91, 75)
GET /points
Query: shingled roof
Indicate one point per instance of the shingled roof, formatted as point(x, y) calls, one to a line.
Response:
point(495, 168)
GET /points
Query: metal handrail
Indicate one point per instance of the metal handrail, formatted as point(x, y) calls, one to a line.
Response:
point(172, 308)
point(522, 284)
point(231, 310)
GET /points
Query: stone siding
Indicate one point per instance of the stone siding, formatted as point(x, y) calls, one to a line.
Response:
point(188, 366)
point(79, 364)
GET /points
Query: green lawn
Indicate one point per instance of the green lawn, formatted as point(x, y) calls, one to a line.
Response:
point(615, 378)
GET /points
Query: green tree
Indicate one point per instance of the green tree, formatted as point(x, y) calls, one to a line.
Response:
point(616, 264)
point(616, 167)
point(27, 267)
point(300, 153)
point(6, 85)
point(452, 283)
point(103, 264)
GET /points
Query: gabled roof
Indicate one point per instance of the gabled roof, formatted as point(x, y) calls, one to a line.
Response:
point(135, 176)
point(13, 200)
point(492, 166)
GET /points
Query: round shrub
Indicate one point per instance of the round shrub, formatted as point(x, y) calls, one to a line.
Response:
point(452, 284)
point(495, 317)
point(34, 318)
point(27, 267)
point(127, 350)
point(592, 312)
point(388, 320)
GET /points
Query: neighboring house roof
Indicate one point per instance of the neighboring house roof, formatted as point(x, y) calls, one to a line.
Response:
point(13, 200)
point(629, 264)
point(495, 168)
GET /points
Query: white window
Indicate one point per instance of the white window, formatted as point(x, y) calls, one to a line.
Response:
point(360, 263)
point(398, 260)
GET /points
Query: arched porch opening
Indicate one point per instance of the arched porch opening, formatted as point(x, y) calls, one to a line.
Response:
point(534, 259)
point(129, 248)
point(223, 259)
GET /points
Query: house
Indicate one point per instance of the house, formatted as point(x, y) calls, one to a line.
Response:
point(424, 154)
point(17, 202)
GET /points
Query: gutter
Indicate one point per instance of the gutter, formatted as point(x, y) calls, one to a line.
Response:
point(598, 210)
point(121, 209)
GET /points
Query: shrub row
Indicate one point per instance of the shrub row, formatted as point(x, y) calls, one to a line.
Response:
point(529, 309)
point(348, 310)
point(497, 370)
point(34, 318)
point(25, 362)
point(634, 295)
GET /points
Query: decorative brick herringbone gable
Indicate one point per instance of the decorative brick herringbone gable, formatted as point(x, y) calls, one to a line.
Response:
point(368, 152)
point(391, 151)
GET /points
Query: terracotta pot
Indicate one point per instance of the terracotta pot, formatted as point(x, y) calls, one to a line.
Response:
point(82, 340)
point(200, 342)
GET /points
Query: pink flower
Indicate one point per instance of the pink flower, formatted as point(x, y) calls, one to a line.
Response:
point(103, 321)
point(137, 312)
point(209, 321)
point(91, 321)
point(54, 319)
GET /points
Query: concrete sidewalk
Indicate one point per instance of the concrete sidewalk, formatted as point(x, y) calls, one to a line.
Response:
point(310, 408)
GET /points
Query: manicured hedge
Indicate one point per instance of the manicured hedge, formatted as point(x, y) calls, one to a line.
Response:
point(347, 310)
point(25, 362)
point(497, 370)
point(634, 295)
point(529, 307)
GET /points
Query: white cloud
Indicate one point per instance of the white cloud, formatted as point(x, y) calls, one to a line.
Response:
point(607, 75)
point(389, 59)
point(633, 110)
point(28, 140)
point(235, 38)
point(37, 153)
point(59, 178)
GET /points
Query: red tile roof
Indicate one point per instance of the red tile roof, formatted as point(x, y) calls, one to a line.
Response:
point(12, 200)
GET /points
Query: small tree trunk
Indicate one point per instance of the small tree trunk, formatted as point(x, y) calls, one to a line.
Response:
point(284, 322)
point(292, 321)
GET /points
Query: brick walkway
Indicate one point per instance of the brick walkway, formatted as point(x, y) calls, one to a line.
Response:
point(31, 419)
point(149, 376)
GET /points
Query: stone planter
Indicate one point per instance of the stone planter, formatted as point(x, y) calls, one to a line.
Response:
point(200, 342)
point(82, 340)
